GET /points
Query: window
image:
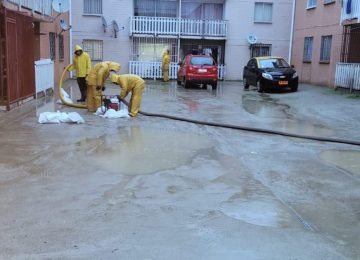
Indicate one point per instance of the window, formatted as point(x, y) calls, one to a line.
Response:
point(308, 47)
point(92, 6)
point(257, 50)
point(151, 49)
point(153, 8)
point(94, 48)
point(325, 50)
point(195, 10)
point(263, 13)
point(311, 4)
point(328, 2)
point(61, 47)
point(52, 39)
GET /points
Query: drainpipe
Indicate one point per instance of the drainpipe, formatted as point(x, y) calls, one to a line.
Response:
point(179, 30)
point(70, 38)
point(292, 30)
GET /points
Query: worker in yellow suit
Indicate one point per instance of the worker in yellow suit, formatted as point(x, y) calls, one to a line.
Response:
point(82, 65)
point(95, 82)
point(165, 65)
point(130, 83)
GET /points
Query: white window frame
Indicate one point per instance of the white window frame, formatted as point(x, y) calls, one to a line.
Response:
point(92, 7)
point(263, 7)
point(311, 4)
point(325, 54)
point(326, 2)
point(308, 48)
point(95, 48)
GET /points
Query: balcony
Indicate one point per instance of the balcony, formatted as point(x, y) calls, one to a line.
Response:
point(40, 6)
point(178, 27)
point(353, 15)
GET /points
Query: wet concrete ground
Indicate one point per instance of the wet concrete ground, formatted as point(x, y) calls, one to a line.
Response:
point(149, 188)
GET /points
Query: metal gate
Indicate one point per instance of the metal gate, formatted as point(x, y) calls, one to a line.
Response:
point(17, 75)
point(350, 44)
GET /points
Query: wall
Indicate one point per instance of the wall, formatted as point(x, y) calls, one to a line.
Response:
point(320, 21)
point(241, 23)
point(90, 27)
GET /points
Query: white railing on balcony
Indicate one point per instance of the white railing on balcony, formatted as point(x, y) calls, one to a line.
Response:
point(355, 11)
point(177, 26)
point(44, 75)
point(40, 6)
point(152, 69)
point(348, 75)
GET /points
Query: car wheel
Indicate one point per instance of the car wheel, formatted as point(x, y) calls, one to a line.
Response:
point(179, 82)
point(187, 84)
point(246, 85)
point(214, 86)
point(294, 89)
point(260, 87)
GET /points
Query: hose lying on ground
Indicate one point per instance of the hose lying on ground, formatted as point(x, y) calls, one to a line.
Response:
point(250, 129)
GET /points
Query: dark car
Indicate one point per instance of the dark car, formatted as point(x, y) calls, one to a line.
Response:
point(197, 69)
point(270, 73)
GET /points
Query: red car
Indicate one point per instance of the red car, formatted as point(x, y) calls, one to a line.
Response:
point(197, 69)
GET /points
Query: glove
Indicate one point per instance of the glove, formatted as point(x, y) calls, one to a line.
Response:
point(98, 88)
point(103, 89)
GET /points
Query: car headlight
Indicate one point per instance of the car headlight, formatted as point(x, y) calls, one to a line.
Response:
point(295, 75)
point(267, 76)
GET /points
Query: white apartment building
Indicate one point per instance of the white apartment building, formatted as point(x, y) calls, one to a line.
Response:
point(136, 32)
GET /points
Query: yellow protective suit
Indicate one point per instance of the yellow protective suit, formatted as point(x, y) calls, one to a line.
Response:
point(95, 82)
point(130, 83)
point(165, 65)
point(81, 64)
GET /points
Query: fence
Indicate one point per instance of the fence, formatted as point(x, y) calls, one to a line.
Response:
point(40, 6)
point(177, 26)
point(152, 69)
point(44, 75)
point(348, 75)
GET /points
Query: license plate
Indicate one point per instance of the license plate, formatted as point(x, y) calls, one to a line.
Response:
point(283, 82)
point(202, 70)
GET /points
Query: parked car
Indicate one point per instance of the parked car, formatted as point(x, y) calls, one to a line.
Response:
point(197, 69)
point(270, 73)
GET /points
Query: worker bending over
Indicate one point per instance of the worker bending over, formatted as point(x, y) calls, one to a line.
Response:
point(95, 82)
point(130, 83)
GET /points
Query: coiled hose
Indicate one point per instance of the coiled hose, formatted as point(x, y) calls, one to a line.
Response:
point(229, 126)
point(250, 129)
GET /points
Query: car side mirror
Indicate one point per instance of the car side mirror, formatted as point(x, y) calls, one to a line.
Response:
point(246, 67)
point(292, 66)
point(179, 63)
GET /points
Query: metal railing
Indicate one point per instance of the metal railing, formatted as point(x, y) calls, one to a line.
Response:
point(177, 26)
point(44, 75)
point(355, 11)
point(40, 6)
point(348, 75)
point(152, 69)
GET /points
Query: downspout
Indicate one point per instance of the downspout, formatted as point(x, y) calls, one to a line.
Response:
point(70, 38)
point(292, 30)
point(179, 31)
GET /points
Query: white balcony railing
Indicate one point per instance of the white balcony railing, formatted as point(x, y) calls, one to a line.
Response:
point(152, 69)
point(40, 6)
point(348, 75)
point(355, 11)
point(177, 26)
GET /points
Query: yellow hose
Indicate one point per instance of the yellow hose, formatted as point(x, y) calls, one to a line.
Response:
point(77, 105)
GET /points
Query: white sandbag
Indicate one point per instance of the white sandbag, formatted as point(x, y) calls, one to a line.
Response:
point(60, 117)
point(111, 113)
point(66, 97)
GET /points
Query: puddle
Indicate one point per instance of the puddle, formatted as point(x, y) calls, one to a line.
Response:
point(257, 212)
point(134, 150)
point(348, 160)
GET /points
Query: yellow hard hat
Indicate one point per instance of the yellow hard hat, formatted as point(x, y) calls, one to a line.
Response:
point(114, 78)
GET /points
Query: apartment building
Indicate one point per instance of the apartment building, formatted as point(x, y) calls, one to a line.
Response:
point(348, 69)
point(317, 40)
point(136, 32)
point(34, 49)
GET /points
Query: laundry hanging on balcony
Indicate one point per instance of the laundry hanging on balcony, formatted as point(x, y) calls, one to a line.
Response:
point(348, 7)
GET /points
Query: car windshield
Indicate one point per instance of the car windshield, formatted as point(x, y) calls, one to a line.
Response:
point(273, 63)
point(202, 61)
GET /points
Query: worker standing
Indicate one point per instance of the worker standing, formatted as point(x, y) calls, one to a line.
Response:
point(82, 65)
point(130, 83)
point(95, 82)
point(165, 65)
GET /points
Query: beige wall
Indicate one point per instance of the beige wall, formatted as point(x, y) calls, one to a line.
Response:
point(320, 21)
